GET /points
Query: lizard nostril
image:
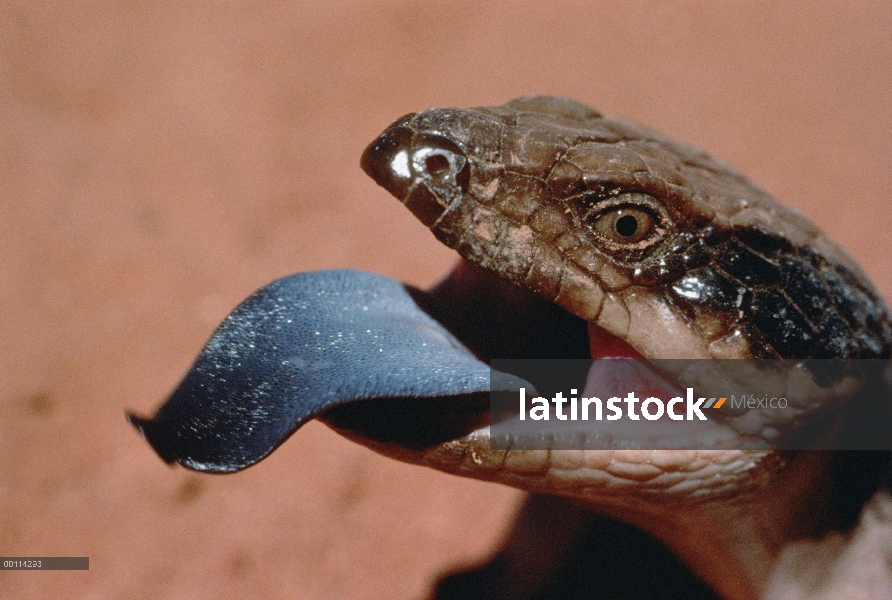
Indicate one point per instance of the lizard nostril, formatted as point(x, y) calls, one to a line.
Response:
point(441, 164)
point(436, 164)
point(399, 159)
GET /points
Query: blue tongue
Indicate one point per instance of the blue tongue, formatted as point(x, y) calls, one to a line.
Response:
point(297, 347)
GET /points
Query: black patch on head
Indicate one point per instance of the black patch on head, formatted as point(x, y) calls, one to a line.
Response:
point(802, 282)
point(790, 301)
point(782, 324)
point(746, 266)
point(764, 243)
point(834, 335)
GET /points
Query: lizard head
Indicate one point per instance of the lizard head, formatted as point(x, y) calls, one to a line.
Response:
point(582, 237)
point(658, 249)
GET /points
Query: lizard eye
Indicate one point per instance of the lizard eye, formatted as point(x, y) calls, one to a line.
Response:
point(621, 223)
point(625, 224)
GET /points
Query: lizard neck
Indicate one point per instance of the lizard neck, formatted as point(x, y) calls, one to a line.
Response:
point(790, 537)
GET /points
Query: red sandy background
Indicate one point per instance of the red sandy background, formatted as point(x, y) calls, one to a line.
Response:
point(159, 161)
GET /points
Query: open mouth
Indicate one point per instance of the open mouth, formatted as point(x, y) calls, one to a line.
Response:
point(498, 320)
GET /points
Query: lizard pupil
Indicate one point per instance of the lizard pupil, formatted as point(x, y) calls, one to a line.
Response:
point(626, 225)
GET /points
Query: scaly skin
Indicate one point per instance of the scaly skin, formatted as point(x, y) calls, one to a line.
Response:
point(530, 191)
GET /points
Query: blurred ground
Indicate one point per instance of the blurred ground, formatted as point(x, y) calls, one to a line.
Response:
point(160, 162)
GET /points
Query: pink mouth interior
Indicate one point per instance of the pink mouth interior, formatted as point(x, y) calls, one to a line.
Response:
point(624, 370)
point(604, 344)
